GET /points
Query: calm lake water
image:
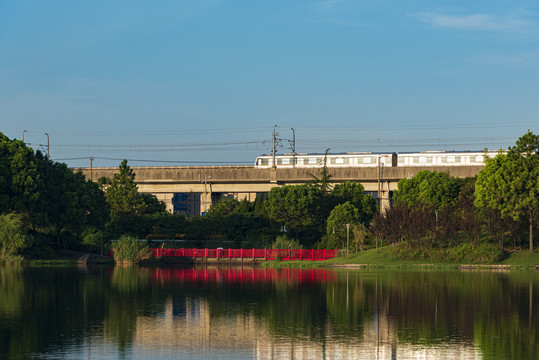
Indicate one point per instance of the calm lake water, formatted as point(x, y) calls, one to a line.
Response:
point(254, 313)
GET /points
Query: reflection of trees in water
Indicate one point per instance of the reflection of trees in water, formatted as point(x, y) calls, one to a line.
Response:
point(491, 310)
point(49, 309)
point(45, 308)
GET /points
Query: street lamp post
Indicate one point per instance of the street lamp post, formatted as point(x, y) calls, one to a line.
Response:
point(347, 239)
point(23, 135)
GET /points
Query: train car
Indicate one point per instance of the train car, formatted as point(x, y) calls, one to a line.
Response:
point(370, 159)
point(315, 160)
point(445, 158)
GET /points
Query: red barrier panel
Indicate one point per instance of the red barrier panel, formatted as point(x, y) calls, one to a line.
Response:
point(266, 254)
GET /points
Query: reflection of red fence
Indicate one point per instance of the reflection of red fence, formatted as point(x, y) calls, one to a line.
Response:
point(266, 254)
point(243, 275)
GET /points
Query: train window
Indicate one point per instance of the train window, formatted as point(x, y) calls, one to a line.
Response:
point(338, 160)
point(367, 160)
point(451, 159)
point(479, 158)
point(312, 161)
point(401, 160)
point(286, 161)
point(263, 161)
point(422, 160)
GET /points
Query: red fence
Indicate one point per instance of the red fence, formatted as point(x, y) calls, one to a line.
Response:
point(266, 254)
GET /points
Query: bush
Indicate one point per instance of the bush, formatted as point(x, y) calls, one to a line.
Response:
point(483, 253)
point(329, 241)
point(129, 250)
point(284, 242)
point(466, 253)
point(13, 237)
point(403, 251)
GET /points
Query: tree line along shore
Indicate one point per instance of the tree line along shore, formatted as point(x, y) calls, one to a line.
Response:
point(46, 210)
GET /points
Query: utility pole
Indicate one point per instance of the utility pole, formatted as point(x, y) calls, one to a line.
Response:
point(23, 135)
point(48, 147)
point(293, 142)
point(293, 147)
point(273, 151)
point(91, 168)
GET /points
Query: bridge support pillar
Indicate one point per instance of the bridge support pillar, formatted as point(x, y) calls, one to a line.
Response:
point(205, 201)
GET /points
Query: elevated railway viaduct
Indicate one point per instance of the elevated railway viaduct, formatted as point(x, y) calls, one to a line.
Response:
point(192, 190)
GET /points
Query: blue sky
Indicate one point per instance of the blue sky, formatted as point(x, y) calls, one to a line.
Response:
point(199, 82)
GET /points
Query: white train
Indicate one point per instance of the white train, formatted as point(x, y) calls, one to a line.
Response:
point(370, 159)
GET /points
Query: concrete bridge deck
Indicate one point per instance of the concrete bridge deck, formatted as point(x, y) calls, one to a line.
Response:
point(245, 182)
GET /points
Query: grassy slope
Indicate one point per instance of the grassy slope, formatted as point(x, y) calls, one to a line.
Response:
point(522, 258)
point(382, 258)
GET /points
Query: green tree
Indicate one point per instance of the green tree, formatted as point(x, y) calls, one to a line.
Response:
point(224, 207)
point(340, 216)
point(322, 182)
point(13, 236)
point(18, 177)
point(152, 205)
point(122, 192)
point(72, 202)
point(354, 193)
point(430, 188)
point(296, 206)
point(509, 183)
point(46, 195)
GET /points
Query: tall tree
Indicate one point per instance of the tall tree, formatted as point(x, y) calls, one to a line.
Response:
point(122, 192)
point(322, 182)
point(296, 206)
point(354, 193)
point(72, 202)
point(509, 183)
point(430, 188)
point(340, 216)
point(18, 177)
point(153, 205)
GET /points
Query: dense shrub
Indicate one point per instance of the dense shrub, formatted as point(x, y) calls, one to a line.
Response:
point(483, 253)
point(466, 253)
point(13, 237)
point(329, 241)
point(284, 242)
point(129, 250)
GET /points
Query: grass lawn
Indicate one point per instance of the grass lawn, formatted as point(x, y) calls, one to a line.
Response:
point(66, 258)
point(522, 258)
point(382, 258)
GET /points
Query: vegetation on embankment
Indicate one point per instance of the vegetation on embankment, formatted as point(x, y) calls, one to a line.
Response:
point(385, 258)
point(45, 209)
